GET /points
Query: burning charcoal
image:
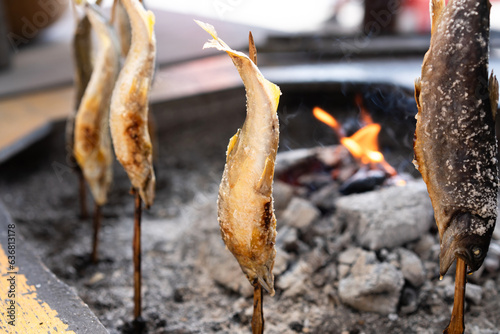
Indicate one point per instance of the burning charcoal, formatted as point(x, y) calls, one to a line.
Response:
point(411, 267)
point(314, 181)
point(371, 286)
point(291, 165)
point(300, 214)
point(363, 180)
point(333, 156)
point(389, 217)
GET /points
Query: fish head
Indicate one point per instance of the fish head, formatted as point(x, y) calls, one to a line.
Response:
point(260, 275)
point(463, 239)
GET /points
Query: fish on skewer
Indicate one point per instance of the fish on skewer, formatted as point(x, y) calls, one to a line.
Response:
point(245, 203)
point(129, 105)
point(455, 145)
point(122, 23)
point(129, 123)
point(92, 141)
point(82, 50)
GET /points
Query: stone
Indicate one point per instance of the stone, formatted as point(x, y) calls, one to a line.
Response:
point(388, 218)
point(300, 214)
point(368, 285)
point(411, 266)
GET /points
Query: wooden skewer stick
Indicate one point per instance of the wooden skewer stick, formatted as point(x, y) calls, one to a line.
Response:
point(456, 325)
point(84, 214)
point(97, 226)
point(137, 256)
point(258, 311)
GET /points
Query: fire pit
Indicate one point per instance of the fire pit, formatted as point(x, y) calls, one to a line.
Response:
point(362, 263)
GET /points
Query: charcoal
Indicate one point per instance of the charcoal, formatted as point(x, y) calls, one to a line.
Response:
point(300, 214)
point(364, 180)
point(411, 266)
point(387, 218)
point(372, 286)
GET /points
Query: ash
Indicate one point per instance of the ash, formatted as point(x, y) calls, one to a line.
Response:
point(362, 263)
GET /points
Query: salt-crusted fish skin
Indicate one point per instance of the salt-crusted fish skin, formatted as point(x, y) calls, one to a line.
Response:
point(129, 104)
point(455, 145)
point(245, 203)
point(92, 142)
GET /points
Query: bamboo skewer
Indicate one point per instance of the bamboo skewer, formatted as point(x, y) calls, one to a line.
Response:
point(456, 325)
point(84, 213)
point(97, 226)
point(137, 255)
point(258, 311)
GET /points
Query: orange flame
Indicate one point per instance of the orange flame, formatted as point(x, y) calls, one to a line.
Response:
point(329, 120)
point(363, 144)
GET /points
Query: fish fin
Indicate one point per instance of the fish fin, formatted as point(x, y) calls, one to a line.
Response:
point(150, 19)
point(264, 186)
point(493, 87)
point(232, 143)
point(437, 7)
point(242, 62)
point(252, 50)
point(418, 87)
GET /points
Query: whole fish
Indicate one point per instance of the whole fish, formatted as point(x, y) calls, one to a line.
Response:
point(455, 144)
point(129, 104)
point(245, 204)
point(82, 50)
point(92, 142)
point(122, 25)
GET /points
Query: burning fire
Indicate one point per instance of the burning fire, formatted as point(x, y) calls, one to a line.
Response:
point(363, 144)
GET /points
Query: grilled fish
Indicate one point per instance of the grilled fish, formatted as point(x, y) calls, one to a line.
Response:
point(122, 25)
point(92, 143)
point(455, 144)
point(82, 49)
point(245, 203)
point(129, 104)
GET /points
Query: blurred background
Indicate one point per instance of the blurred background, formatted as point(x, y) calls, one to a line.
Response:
point(36, 55)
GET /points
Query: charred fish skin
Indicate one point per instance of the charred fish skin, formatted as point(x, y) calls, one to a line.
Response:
point(92, 142)
point(245, 203)
point(455, 145)
point(129, 104)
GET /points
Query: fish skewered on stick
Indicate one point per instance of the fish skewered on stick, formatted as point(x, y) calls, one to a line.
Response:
point(92, 141)
point(245, 204)
point(129, 122)
point(455, 144)
point(82, 49)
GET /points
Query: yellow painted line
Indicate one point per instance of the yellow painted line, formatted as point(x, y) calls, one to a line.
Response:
point(33, 315)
